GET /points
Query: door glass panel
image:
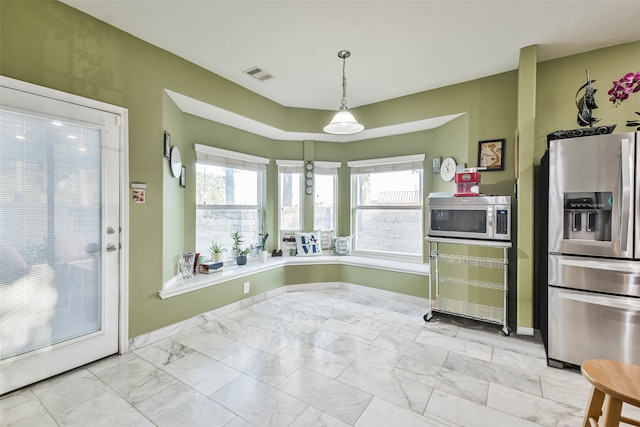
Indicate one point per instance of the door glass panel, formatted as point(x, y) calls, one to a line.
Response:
point(50, 237)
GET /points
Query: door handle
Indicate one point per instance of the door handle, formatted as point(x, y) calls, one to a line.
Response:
point(111, 247)
point(619, 302)
point(626, 207)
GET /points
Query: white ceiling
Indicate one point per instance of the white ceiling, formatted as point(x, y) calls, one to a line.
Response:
point(398, 47)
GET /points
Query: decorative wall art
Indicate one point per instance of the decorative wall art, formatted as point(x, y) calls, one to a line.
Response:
point(437, 161)
point(491, 154)
point(183, 177)
point(308, 178)
point(167, 145)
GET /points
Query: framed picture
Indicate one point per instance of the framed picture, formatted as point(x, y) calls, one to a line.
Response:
point(167, 145)
point(138, 195)
point(491, 154)
point(183, 177)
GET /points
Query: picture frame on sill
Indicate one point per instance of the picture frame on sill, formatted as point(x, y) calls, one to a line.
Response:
point(491, 154)
point(183, 177)
point(167, 145)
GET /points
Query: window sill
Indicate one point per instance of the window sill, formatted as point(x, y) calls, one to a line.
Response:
point(177, 286)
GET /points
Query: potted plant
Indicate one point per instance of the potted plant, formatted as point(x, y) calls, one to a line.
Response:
point(238, 239)
point(216, 250)
point(241, 259)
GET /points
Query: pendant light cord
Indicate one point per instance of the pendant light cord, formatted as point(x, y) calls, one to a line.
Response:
point(343, 103)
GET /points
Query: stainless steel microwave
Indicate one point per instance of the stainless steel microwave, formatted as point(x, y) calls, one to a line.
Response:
point(480, 217)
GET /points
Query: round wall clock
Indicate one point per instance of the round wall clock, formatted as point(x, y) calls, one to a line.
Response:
point(309, 190)
point(448, 169)
point(175, 162)
point(309, 165)
point(309, 174)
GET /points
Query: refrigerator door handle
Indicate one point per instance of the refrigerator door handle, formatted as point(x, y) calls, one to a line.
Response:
point(621, 303)
point(625, 206)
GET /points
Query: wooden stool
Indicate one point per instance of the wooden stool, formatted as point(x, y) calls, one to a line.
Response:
point(618, 382)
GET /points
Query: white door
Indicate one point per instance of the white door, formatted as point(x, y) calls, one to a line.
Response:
point(59, 236)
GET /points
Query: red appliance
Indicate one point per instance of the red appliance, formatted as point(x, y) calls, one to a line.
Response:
point(467, 184)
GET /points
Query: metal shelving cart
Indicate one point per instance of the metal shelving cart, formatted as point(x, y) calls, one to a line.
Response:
point(467, 309)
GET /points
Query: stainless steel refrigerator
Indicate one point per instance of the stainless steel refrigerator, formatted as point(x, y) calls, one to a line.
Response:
point(594, 249)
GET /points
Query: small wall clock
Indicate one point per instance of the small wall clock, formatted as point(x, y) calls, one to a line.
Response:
point(176, 162)
point(309, 175)
point(448, 169)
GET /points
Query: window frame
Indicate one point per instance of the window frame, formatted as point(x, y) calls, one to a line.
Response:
point(331, 169)
point(213, 156)
point(382, 165)
point(290, 167)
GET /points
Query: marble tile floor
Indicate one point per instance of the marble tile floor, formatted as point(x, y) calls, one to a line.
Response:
point(315, 358)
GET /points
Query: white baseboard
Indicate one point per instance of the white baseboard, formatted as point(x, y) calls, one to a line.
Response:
point(520, 330)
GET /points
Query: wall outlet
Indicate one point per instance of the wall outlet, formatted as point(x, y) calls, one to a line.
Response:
point(246, 287)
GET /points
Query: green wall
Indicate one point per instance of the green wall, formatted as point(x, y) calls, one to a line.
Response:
point(559, 80)
point(524, 210)
point(50, 44)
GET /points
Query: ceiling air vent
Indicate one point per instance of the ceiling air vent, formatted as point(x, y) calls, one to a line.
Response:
point(258, 73)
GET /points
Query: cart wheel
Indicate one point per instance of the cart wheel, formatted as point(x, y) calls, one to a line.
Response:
point(427, 317)
point(506, 331)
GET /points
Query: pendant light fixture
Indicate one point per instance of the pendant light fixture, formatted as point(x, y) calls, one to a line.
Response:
point(343, 122)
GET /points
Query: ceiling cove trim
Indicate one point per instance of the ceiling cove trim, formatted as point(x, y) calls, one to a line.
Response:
point(207, 111)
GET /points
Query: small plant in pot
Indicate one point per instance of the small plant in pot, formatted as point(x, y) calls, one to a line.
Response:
point(238, 239)
point(216, 250)
point(242, 256)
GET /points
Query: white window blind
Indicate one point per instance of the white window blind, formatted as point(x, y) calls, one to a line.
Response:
point(214, 156)
point(290, 166)
point(387, 164)
point(326, 168)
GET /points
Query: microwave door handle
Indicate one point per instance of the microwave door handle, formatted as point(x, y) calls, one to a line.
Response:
point(490, 213)
point(625, 206)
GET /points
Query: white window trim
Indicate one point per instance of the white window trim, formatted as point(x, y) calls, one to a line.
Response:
point(214, 156)
point(387, 161)
point(217, 156)
point(280, 162)
point(328, 168)
point(290, 166)
point(379, 165)
point(177, 286)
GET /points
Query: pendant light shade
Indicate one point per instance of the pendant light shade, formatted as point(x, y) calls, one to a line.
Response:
point(343, 122)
